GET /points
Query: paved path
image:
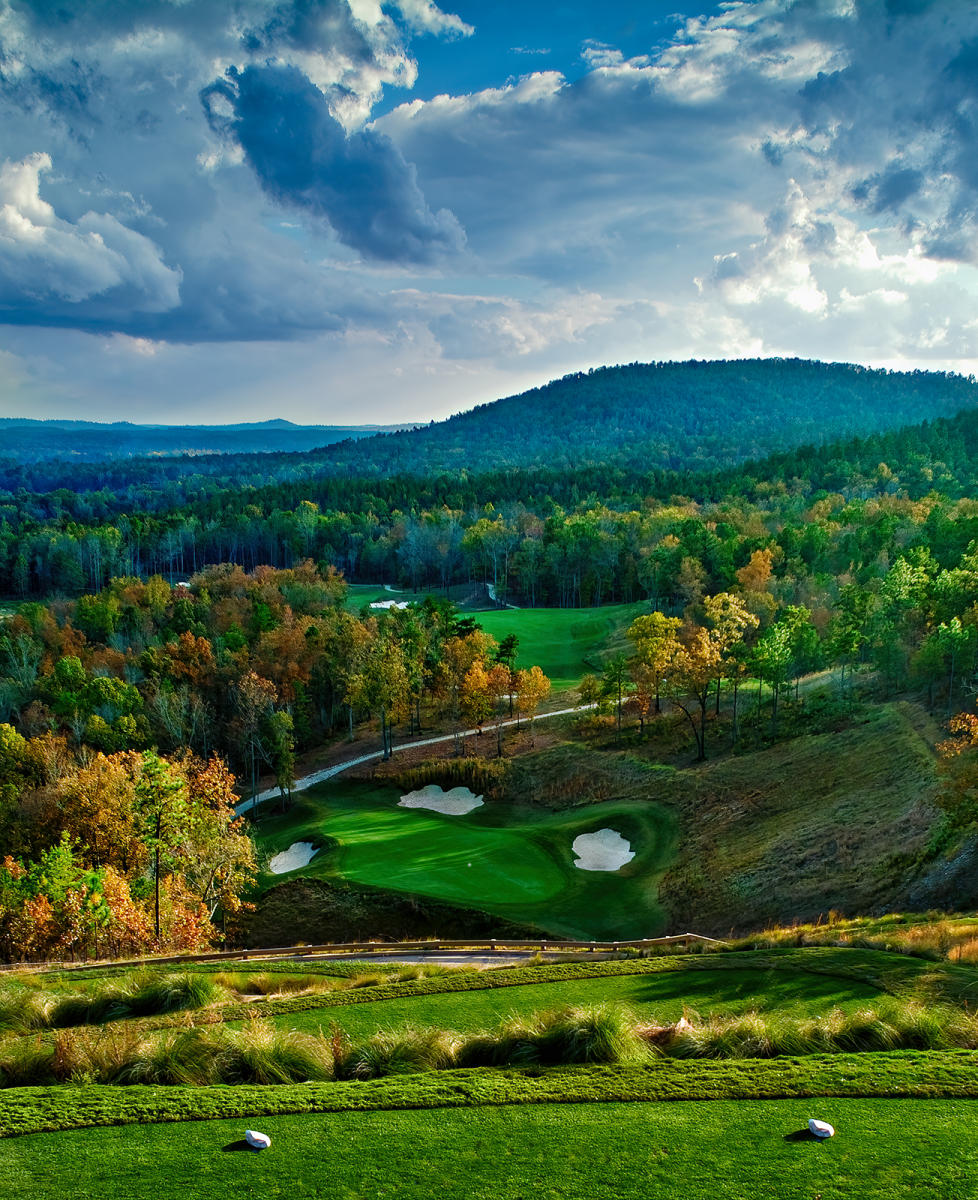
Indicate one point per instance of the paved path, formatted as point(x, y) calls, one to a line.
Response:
point(308, 781)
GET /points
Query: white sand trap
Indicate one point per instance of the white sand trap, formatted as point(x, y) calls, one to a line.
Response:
point(389, 604)
point(297, 855)
point(605, 850)
point(455, 803)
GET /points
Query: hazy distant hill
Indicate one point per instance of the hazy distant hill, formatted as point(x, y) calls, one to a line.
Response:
point(28, 440)
point(678, 416)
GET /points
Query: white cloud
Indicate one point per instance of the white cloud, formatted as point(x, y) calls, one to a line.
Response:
point(50, 262)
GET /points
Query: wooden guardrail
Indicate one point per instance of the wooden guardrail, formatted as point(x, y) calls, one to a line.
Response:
point(371, 949)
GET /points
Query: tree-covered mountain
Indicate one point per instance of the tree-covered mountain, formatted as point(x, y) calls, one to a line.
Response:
point(670, 415)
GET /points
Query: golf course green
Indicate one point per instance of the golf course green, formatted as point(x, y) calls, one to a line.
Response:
point(514, 861)
point(565, 643)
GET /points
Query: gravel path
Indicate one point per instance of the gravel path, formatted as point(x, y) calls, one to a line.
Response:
point(308, 781)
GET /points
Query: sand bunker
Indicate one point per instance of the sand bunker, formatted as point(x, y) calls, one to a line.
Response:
point(605, 850)
point(297, 855)
point(455, 803)
point(390, 604)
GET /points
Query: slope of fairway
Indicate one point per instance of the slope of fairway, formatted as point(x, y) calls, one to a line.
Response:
point(564, 642)
point(699, 1150)
point(512, 860)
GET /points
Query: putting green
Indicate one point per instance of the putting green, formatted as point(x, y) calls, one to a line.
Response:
point(421, 851)
point(514, 861)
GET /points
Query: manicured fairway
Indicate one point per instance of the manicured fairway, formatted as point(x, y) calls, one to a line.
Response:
point(564, 642)
point(515, 861)
point(662, 997)
point(697, 1150)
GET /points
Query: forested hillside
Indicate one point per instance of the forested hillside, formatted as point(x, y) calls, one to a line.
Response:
point(665, 416)
point(672, 417)
point(570, 537)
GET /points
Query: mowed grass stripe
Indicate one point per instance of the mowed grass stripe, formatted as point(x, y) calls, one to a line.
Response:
point(701, 1150)
point(662, 997)
point(894, 1074)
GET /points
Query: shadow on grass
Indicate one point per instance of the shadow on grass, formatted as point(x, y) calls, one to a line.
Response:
point(240, 1144)
point(802, 1135)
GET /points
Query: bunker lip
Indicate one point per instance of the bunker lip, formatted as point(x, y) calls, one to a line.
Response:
point(299, 854)
point(454, 803)
point(604, 850)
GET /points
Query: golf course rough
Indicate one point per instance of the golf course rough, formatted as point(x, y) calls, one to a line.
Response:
point(522, 861)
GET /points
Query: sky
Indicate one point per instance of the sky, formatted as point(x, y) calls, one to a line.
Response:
point(350, 211)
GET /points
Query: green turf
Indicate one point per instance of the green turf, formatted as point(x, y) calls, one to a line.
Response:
point(359, 594)
point(565, 643)
point(707, 1149)
point(521, 857)
point(660, 998)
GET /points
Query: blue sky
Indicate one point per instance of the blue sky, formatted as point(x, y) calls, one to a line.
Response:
point(346, 211)
point(510, 39)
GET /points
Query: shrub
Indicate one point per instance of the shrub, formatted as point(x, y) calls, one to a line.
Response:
point(479, 775)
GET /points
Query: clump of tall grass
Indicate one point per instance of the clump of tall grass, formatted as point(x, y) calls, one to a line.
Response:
point(398, 1052)
point(260, 1053)
point(25, 1009)
point(27, 1062)
point(892, 1024)
point(272, 983)
point(172, 993)
point(185, 1057)
point(143, 997)
point(600, 1033)
point(91, 1008)
point(367, 979)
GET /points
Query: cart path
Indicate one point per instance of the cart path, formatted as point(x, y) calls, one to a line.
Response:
point(308, 781)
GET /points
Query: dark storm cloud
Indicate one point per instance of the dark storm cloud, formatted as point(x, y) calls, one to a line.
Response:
point(306, 24)
point(360, 183)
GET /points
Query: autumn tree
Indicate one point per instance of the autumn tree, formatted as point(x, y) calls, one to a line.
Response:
point(656, 641)
point(161, 795)
point(532, 688)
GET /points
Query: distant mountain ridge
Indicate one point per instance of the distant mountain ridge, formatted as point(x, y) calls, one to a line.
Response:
point(26, 439)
